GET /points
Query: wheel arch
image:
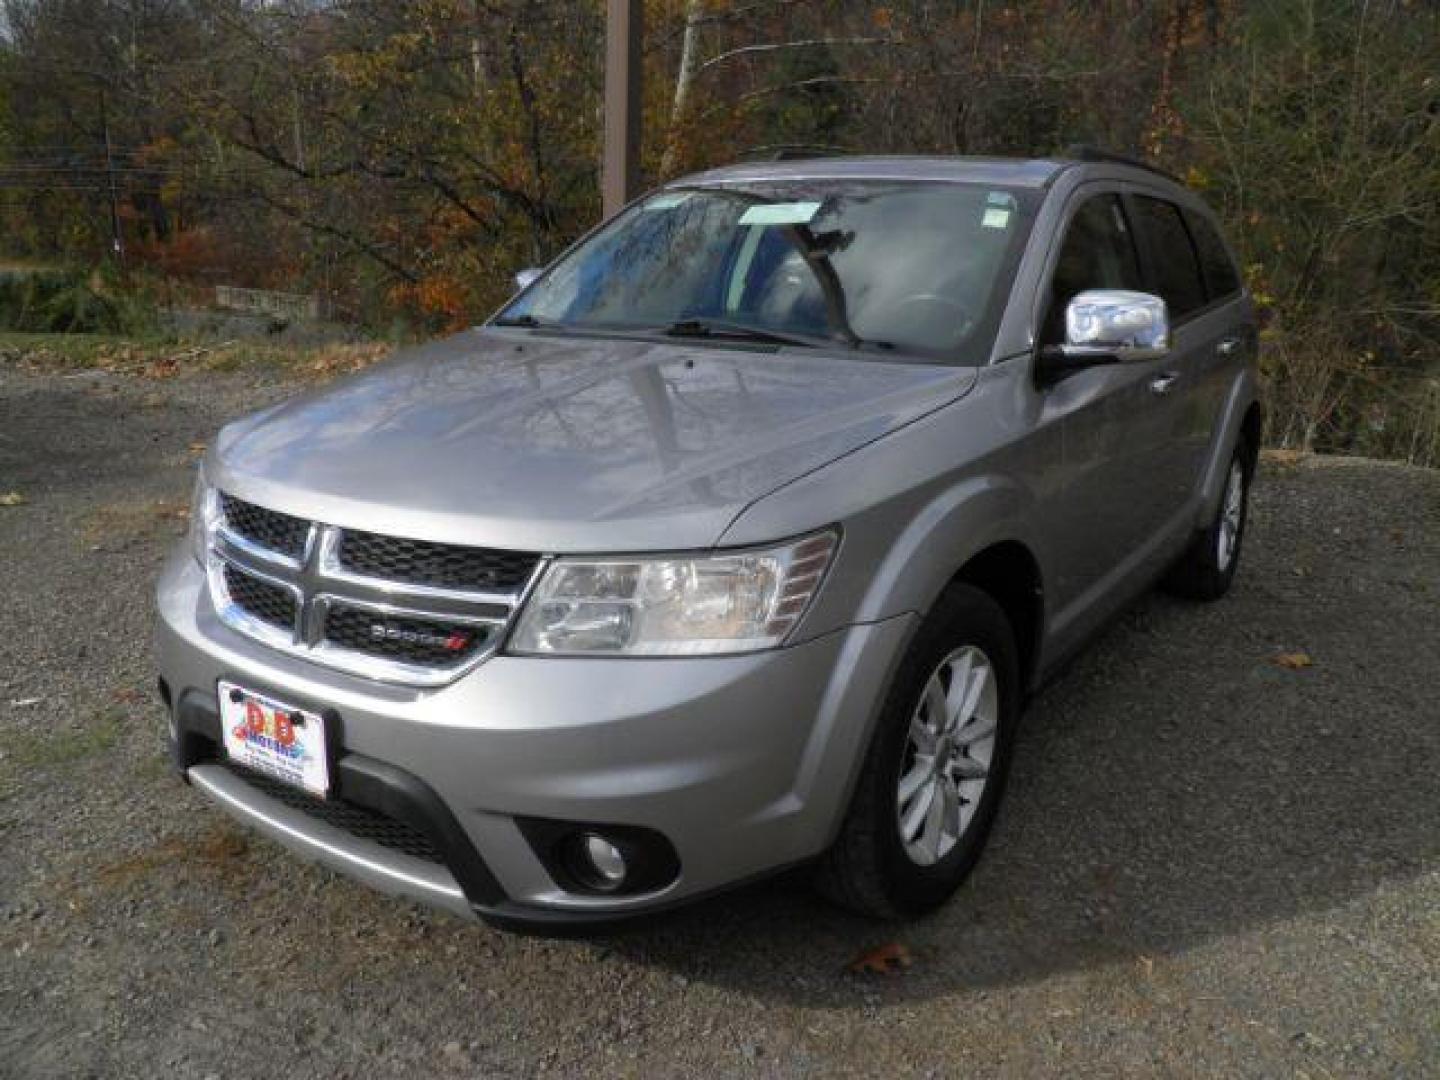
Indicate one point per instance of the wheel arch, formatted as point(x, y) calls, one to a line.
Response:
point(975, 534)
point(1008, 572)
point(1251, 430)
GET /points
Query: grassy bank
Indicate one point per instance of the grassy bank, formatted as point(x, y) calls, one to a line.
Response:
point(162, 357)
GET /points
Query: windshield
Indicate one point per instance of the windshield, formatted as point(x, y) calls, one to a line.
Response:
point(906, 266)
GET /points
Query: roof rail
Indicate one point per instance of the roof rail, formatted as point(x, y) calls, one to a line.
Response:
point(1083, 152)
point(791, 152)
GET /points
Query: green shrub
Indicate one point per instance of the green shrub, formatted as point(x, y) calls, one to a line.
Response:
point(55, 301)
point(73, 302)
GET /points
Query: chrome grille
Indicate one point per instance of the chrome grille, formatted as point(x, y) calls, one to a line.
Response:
point(393, 609)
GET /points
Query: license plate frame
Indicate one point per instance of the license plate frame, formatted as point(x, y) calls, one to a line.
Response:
point(283, 741)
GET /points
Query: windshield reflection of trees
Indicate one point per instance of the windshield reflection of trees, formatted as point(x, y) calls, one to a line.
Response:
point(674, 263)
point(905, 266)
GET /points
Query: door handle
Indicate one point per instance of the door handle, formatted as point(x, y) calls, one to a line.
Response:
point(1228, 346)
point(1164, 382)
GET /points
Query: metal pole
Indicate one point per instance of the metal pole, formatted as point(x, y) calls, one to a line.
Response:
point(620, 165)
point(116, 240)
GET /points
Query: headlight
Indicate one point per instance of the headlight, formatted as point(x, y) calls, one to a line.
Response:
point(204, 515)
point(674, 606)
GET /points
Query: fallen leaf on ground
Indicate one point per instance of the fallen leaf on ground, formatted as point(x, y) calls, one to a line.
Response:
point(1283, 460)
point(12, 498)
point(889, 959)
point(1293, 661)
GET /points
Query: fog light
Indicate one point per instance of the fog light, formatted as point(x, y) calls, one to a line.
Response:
point(605, 859)
point(594, 858)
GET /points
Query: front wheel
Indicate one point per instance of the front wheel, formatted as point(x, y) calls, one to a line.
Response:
point(1208, 566)
point(931, 782)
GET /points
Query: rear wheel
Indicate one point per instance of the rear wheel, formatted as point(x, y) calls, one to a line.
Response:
point(936, 766)
point(1208, 566)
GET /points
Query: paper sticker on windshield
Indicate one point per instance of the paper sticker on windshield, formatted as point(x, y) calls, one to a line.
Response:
point(790, 213)
point(667, 201)
point(999, 205)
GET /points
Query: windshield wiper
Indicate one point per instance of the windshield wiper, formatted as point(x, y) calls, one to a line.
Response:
point(707, 328)
point(704, 328)
point(701, 328)
point(873, 343)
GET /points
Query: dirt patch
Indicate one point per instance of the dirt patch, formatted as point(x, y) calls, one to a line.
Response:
point(130, 521)
point(220, 850)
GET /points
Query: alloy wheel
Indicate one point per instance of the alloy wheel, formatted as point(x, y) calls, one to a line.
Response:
point(1232, 513)
point(947, 757)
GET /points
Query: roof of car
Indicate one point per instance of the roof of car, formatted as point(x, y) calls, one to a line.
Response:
point(1014, 172)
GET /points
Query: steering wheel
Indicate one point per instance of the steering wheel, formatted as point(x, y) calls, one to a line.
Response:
point(959, 314)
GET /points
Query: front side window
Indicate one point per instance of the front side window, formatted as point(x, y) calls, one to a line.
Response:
point(914, 267)
point(1221, 278)
point(1098, 253)
point(1177, 271)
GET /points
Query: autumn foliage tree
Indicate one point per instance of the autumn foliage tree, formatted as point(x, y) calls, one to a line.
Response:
point(402, 158)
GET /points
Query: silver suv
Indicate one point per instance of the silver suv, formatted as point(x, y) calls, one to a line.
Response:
point(735, 541)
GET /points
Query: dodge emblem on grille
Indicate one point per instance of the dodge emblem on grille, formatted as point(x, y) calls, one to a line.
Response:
point(452, 642)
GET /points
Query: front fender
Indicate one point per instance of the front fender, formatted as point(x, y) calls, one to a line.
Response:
point(945, 533)
point(915, 506)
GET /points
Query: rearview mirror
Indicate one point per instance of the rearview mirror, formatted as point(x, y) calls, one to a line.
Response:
point(1110, 326)
point(525, 278)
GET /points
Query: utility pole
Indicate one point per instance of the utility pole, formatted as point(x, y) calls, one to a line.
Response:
point(117, 242)
point(620, 163)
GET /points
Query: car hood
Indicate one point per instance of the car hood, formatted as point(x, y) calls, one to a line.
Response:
point(551, 443)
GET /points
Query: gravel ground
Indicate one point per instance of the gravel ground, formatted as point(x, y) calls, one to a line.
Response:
point(1207, 864)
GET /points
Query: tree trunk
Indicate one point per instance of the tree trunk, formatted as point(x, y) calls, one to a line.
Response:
point(684, 79)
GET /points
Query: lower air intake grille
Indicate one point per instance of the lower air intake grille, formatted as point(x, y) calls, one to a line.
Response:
point(358, 821)
point(259, 599)
point(429, 643)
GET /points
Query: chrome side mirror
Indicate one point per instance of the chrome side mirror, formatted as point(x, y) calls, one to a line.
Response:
point(525, 278)
point(1116, 325)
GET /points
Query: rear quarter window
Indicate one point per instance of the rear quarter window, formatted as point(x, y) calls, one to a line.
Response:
point(1172, 255)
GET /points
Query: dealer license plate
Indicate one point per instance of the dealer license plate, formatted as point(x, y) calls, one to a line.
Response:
point(276, 739)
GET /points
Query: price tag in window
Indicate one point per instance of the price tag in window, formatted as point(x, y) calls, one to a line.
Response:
point(794, 213)
point(666, 201)
point(998, 207)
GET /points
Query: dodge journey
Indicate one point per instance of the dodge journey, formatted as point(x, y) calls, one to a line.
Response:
point(735, 541)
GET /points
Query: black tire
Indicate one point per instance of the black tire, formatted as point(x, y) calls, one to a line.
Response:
point(1202, 573)
point(867, 869)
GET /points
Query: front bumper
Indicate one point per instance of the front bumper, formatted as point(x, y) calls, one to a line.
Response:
point(743, 764)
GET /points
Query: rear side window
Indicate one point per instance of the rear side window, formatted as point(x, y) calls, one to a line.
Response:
point(1098, 253)
point(1221, 279)
point(1177, 271)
